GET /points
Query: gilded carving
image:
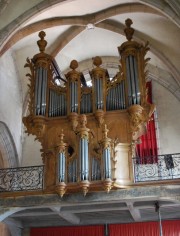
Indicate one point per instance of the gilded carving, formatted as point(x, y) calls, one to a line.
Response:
point(99, 114)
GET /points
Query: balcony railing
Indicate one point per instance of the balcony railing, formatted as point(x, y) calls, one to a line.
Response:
point(21, 179)
point(162, 167)
point(154, 168)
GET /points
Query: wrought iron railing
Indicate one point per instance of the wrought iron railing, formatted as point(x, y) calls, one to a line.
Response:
point(161, 167)
point(21, 178)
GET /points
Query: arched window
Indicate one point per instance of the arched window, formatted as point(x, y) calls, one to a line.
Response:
point(8, 153)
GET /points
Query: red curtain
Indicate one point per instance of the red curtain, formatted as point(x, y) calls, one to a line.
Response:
point(68, 231)
point(170, 228)
point(148, 142)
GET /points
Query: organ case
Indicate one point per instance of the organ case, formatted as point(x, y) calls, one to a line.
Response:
point(87, 133)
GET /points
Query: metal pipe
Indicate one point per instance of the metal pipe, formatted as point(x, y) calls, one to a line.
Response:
point(120, 96)
point(65, 104)
point(60, 105)
point(105, 162)
point(86, 103)
point(87, 159)
point(71, 97)
point(109, 108)
point(128, 82)
point(157, 209)
point(83, 159)
point(62, 113)
point(49, 114)
point(57, 104)
point(44, 89)
point(39, 92)
point(74, 97)
point(124, 95)
point(75, 170)
point(100, 93)
point(41, 96)
point(136, 81)
point(132, 79)
point(109, 160)
point(53, 103)
point(36, 91)
point(64, 167)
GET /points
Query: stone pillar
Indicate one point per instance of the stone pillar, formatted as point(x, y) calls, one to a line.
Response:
point(123, 167)
point(14, 227)
point(4, 231)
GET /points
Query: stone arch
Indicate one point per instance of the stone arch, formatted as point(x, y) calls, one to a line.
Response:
point(8, 152)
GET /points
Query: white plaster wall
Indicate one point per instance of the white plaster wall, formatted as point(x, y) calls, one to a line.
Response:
point(31, 151)
point(11, 99)
point(168, 112)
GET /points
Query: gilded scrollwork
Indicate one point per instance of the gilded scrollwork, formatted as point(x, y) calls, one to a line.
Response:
point(138, 119)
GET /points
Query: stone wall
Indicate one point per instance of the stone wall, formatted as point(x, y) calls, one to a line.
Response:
point(11, 100)
point(4, 230)
point(168, 114)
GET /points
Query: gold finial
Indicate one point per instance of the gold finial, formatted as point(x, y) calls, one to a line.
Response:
point(61, 137)
point(73, 75)
point(97, 61)
point(42, 42)
point(73, 64)
point(129, 31)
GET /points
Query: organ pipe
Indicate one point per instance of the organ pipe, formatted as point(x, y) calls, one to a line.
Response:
point(98, 81)
point(41, 64)
point(133, 64)
point(57, 103)
point(62, 159)
point(86, 100)
point(106, 153)
point(61, 181)
point(132, 81)
point(106, 159)
point(107, 163)
point(83, 149)
point(73, 79)
point(96, 171)
point(83, 133)
point(61, 167)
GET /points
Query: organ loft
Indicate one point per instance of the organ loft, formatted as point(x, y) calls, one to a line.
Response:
point(88, 133)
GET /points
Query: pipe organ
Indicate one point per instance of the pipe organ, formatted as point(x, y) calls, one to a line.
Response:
point(87, 132)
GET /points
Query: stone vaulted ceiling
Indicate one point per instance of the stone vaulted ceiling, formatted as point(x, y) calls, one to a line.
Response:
point(70, 35)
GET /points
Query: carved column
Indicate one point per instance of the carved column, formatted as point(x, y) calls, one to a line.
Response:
point(61, 163)
point(83, 133)
point(123, 168)
point(106, 160)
